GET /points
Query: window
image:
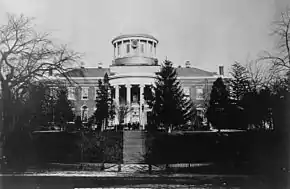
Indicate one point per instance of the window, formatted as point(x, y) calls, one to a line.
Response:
point(84, 113)
point(199, 93)
point(85, 93)
point(128, 48)
point(186, 91)
point(53, 92)
point(118, 49)
point(200, 112)
point(96, 92)
point(71, 93)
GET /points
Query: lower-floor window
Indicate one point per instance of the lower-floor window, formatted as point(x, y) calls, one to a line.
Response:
point(84, 113)
point(199, 93)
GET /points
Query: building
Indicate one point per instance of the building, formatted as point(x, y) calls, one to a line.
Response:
point(132, 70)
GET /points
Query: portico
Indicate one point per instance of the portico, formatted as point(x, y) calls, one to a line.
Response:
point(132, 96)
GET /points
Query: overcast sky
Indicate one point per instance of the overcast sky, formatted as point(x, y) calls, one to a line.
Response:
point(206, 32)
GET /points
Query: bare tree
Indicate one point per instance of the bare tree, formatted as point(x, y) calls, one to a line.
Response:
point(281, 59)
point(123, 111)
point(261, 74)
point(27, 56)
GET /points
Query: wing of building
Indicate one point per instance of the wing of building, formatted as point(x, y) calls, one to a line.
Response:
point(132, 70)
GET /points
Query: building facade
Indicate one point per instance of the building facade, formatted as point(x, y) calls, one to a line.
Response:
point(133, 70)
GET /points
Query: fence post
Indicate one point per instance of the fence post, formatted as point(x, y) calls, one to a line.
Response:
point(119, 167)
point(149, 168)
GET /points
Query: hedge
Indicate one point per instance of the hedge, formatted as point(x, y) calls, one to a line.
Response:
point(260, 150)
point(63, 147)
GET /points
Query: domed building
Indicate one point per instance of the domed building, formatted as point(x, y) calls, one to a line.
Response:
point(133, 70)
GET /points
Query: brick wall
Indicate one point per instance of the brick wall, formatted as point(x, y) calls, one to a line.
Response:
point(90, 102)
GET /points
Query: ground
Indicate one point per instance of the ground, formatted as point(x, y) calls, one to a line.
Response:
point(173, 181)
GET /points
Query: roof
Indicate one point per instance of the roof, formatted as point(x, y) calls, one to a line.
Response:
point(193, 72)
point(88, 72)
point(134, 35)
point(100, 72)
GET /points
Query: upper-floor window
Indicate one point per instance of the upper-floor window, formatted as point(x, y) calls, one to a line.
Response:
point(199, 93)
point(186, 91)
point(71, 93)
point(85, 93)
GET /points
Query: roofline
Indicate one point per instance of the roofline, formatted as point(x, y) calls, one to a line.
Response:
point(134, 35)
point(204, 77)
point(199, 69)
point(117, 76)
point(82, 77)
point(94, 67)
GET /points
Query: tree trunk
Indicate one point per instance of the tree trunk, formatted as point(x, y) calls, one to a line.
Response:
point(5, 103)
point(103, 166)
point(166, 167)
point(103, 127)
point(1, 110)
point(82, 153)
point(2, 136)
point(169, 129)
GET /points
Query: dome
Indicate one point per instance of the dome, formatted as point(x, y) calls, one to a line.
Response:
point(135, 49)
point(134, 36)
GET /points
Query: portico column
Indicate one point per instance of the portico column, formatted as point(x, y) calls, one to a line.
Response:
point(142, 105)
point(128, 98)
point(117, 102)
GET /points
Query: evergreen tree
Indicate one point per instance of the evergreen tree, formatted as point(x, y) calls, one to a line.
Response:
point(239, 84)
point(63, 112)
point(105, 109)
point(239, 87)
point(217, 112)
point(170, 106)
point(257, 108)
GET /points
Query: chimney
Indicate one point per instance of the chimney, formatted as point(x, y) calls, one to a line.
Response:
point(100, 65)
point(187, 64)
point(221, 70)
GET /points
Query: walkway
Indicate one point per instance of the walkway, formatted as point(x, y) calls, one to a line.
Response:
point(133, 147)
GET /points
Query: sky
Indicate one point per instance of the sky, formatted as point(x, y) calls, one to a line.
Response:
point(208, 33)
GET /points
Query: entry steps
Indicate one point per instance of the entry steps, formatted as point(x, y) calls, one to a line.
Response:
point(133, 147)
